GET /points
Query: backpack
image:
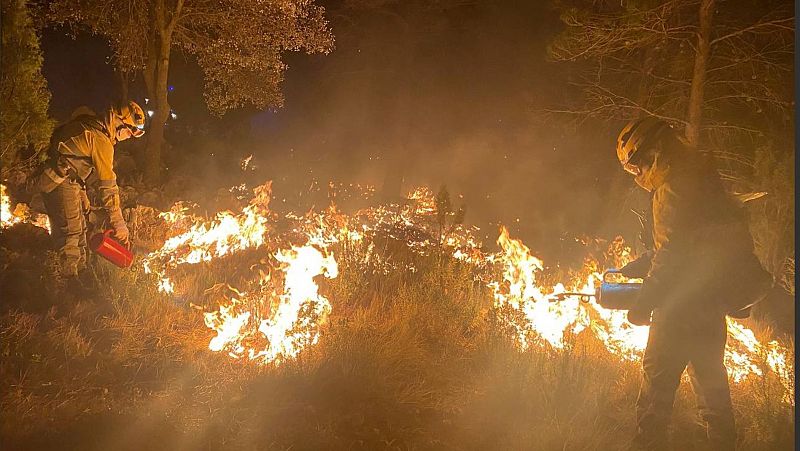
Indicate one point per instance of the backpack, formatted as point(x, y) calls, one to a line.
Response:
point(742, 280)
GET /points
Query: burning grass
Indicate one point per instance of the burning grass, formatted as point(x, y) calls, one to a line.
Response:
point(414, 352)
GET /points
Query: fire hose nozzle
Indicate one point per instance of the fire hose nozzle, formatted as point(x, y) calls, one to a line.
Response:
point(584, 297)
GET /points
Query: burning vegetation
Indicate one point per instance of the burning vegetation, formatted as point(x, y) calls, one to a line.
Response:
point(389, 325)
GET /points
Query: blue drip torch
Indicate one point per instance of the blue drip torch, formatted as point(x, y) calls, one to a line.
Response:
point(611, 293)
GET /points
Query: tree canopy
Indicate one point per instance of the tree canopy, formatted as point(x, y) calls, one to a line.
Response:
point(238, 45)
point(23, 118)
point(639, 57)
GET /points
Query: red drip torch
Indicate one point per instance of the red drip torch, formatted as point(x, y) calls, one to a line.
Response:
point(112, 250)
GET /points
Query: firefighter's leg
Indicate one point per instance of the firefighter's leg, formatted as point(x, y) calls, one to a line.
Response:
point(63, 206)
point(663, 363)
point(710, 383)
point(58, 223)
point(85, 206)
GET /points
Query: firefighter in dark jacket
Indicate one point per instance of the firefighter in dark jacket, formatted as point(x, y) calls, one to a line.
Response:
point(82, 150)
point(701, 268)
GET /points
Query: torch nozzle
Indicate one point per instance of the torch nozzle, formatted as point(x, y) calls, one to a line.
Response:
point(584, 297)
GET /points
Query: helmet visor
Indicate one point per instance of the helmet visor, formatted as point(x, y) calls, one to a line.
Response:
point(632, 169)
point(137, 131)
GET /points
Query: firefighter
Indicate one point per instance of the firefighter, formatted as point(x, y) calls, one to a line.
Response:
point(699, 232)
point(82, 150)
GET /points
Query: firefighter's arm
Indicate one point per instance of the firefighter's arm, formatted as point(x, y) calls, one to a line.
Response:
point(664, 260)
point(102, 153)
point(103, 159)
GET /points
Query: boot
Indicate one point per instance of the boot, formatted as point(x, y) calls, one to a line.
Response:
point(87, 276)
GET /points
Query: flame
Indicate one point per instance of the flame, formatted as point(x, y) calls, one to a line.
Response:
point(246, 162)
point(282, 312)
point(286, 319)
point(226, 234)
point(165, 285)
point(745, 355)
point(519, 290)
point(6, 218)
point(288, 330)
point(21, 213)
point(552, 321)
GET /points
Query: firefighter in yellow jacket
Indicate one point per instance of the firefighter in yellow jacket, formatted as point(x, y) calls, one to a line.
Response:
point(700, 243)
point(82, 150)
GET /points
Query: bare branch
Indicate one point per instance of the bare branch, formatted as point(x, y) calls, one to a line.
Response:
point(783, 24)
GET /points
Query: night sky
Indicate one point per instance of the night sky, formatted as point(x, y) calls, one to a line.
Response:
point(456, 101)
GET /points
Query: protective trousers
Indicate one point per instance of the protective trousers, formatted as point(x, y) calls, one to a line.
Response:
point(66, 206)
point(697, 341)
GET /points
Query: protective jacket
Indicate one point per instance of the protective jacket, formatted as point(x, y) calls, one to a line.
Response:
point(703, 251)
point(81, 148)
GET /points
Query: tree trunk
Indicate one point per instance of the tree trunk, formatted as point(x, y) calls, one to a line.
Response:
point(160, 103)
point(123, 80)
point(695, 113)
point(149, 72)
point(649, 59)
point(155, 136)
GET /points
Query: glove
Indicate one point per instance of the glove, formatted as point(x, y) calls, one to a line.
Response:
point(121, 233)
point(638, 268)
point(120, 228)
point(639, 316)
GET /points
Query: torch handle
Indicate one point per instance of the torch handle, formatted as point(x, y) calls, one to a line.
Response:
point(584, 297)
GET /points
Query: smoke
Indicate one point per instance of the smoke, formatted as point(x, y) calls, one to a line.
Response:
point(413, 95)
point(445, 98)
